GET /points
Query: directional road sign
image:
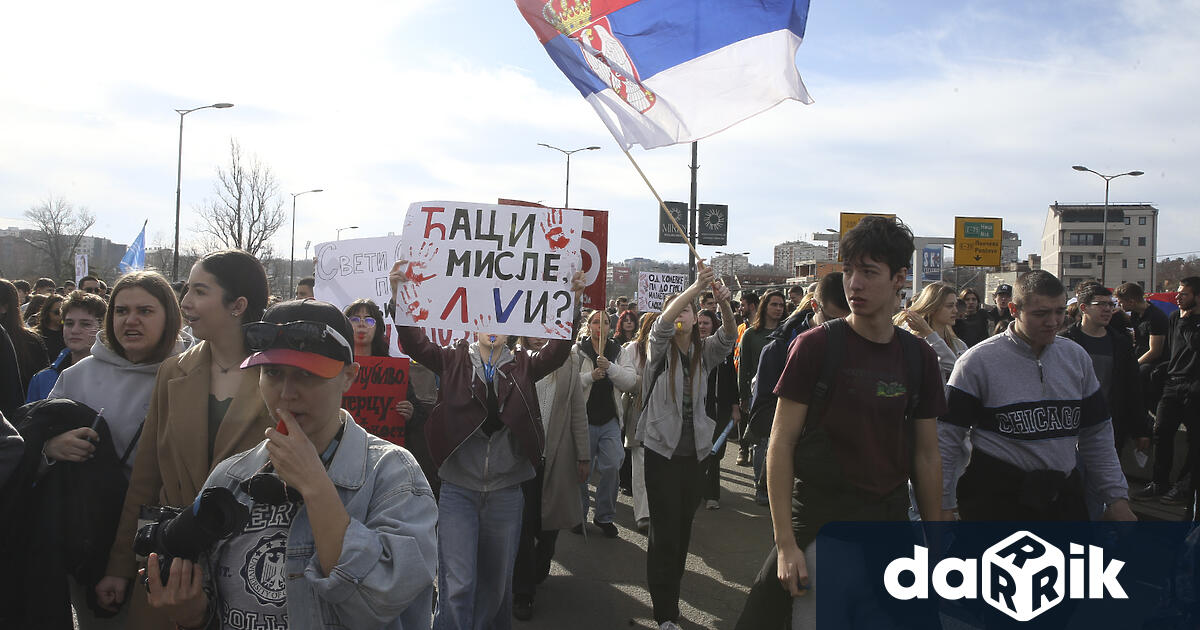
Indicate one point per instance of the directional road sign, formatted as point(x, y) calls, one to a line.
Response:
point(977, 241)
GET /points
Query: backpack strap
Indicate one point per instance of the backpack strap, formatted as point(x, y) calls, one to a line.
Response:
point(835, 349)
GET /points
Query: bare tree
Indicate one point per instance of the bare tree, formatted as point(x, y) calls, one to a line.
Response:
point(59, 226)
point(247, 211)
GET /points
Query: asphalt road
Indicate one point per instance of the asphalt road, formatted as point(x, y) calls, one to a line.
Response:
point(601, 582)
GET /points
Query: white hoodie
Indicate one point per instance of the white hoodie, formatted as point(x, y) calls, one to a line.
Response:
point(107, 381)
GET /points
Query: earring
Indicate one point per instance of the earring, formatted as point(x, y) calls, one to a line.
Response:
point(235, 313)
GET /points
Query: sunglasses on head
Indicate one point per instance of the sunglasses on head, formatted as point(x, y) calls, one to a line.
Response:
point(304, 336)
point(370, 321)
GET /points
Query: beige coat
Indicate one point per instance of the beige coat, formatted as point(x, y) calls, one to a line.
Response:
point(172, 457)
point(566, 444)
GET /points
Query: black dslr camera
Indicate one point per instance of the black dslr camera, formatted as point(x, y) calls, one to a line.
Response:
point(186, 533)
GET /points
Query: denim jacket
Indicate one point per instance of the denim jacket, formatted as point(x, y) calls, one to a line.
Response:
point(385, 574)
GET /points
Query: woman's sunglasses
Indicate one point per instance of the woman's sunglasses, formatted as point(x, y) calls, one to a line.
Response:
point(369, 321)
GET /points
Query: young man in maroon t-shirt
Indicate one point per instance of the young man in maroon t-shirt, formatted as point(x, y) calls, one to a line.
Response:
point(876, 450)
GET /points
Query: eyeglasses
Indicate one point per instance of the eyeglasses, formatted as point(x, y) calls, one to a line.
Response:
point(304, 336)
point(369, 321)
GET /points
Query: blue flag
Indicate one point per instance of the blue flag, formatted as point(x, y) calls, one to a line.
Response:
point(135, 256)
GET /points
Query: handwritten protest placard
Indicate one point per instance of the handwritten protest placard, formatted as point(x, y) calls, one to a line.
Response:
point(654, 287)
point(593, 249)
point(381, 383)
point(486, 267)
point(355, 268)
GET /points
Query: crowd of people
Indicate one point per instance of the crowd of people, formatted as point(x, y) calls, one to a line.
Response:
point(845, 403)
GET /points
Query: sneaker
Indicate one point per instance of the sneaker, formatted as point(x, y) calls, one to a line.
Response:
point(523, 607)
point(610, 530)
point(712, 504)
point(577, 530)
point(1152, 489)
point(669, 625)
point(1178, 493)
point(643, 526)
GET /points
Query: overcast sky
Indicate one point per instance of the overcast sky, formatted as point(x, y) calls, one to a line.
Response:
point(925, 109)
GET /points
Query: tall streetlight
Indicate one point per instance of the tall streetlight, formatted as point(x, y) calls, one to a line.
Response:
point(1104, 237)
point(292, 257)
point(339, 231)
point(178, 179)
point(732, 271)
point(567, 194)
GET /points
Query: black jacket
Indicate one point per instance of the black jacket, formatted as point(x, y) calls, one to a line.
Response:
point(770, 367)
point(68, 518)
point(12, 392)
point(1125, 400)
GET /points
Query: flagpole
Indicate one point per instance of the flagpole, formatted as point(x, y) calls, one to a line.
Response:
point(663, 206)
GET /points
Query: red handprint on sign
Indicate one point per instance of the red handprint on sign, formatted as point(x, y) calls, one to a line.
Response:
point(552, 230)
point(418, 260)
point(412, 302)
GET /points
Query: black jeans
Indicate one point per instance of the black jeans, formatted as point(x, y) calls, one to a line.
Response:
point(1178, 405)
point(535, 548)
point(673, 490)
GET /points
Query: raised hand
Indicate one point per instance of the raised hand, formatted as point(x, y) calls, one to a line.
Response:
point(410, 301)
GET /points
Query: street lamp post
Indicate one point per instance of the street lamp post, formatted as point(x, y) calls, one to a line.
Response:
point(179, 177)
point(339, 231)
point(292, 256)
point(567, 195)
point(1104, 237)
point(732, 271)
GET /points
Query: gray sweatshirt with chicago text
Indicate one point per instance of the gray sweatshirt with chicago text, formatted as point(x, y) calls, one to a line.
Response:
point(1029, 411)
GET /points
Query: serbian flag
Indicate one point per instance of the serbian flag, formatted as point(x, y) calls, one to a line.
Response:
point(662, 72)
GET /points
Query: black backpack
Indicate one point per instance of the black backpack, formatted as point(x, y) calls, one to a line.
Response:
point(814, 460)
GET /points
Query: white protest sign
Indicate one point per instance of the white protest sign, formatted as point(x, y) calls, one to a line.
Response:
point(358, 268)
point(81, 267)
point(493, 268)
point(654, 287)
point(355, 268)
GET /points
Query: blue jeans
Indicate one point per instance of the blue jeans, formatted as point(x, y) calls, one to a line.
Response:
point(477, 545)
point(606, 453)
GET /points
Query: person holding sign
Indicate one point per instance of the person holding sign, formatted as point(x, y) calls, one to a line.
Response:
point(676, 431)
point(367, 321)
point(485, 436)
point(603, 380)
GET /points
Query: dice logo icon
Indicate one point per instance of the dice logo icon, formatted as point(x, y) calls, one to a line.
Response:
point(1023, 576)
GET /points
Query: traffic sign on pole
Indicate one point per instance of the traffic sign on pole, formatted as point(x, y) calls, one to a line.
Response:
point(977, 241)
